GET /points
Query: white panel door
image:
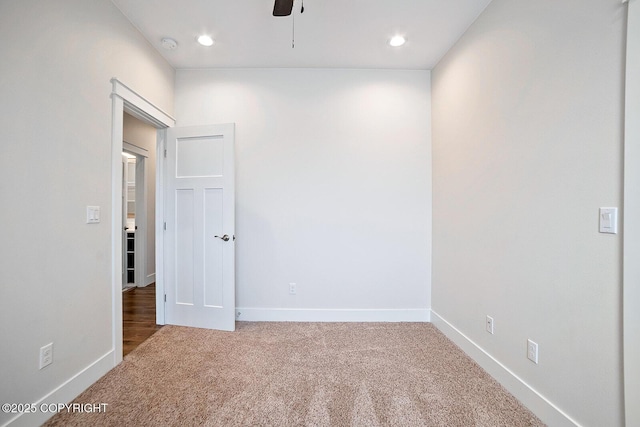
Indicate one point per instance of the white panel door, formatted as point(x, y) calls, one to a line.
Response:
point(199, 249)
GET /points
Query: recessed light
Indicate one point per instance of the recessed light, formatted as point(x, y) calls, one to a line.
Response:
point(397, 41)
point(205, 40)
point(169, 43)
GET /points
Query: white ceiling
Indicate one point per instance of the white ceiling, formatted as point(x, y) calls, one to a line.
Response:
point(329, 34)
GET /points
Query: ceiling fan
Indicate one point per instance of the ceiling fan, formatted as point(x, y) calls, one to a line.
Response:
point(284, 7)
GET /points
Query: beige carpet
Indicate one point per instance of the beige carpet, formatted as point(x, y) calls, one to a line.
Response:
point(295, 374)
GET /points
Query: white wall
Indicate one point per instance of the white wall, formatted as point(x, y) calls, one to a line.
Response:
point(58, 57)
point(333, 186)
point(144, 136)
point(527, 145)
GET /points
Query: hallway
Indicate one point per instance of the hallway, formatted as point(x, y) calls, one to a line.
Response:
point(138, 316)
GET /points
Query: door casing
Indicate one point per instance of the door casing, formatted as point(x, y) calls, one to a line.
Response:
point(142, 157)
point(631, 224)
point(124, 99)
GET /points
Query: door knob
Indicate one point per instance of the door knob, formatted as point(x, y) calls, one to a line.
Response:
point(225, 237)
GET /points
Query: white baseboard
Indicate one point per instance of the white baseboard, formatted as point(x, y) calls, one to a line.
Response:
point(331, 315)
point(151, 278)
point(65, 393)
point(532, 399)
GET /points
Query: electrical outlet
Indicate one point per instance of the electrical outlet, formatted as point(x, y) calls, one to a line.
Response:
point(532, 351)
point(46, 355)
point(292, 288)
point(490, 324)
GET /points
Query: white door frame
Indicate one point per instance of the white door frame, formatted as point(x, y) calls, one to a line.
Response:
point(124, 215)
point(140, 262)
point(125, 99)
point(140, 242)
point(631, 216)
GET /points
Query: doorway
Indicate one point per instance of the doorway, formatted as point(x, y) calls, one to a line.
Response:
point(138, 202)
point(125, 100)
point(130, 234)
point(138, 240)
point(198, 154)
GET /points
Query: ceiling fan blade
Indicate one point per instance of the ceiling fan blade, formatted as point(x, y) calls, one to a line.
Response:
point(282, 7)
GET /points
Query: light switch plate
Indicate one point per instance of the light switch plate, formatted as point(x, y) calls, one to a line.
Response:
point(609, 220)
point(93, 214)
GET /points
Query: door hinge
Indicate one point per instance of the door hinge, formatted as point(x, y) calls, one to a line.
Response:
point(165, 226)
point(165, 153)
point(165, 297)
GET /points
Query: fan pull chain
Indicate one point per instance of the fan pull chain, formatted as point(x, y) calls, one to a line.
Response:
point(293, 31)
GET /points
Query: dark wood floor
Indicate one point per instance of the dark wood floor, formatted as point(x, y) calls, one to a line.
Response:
point(138, 316)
